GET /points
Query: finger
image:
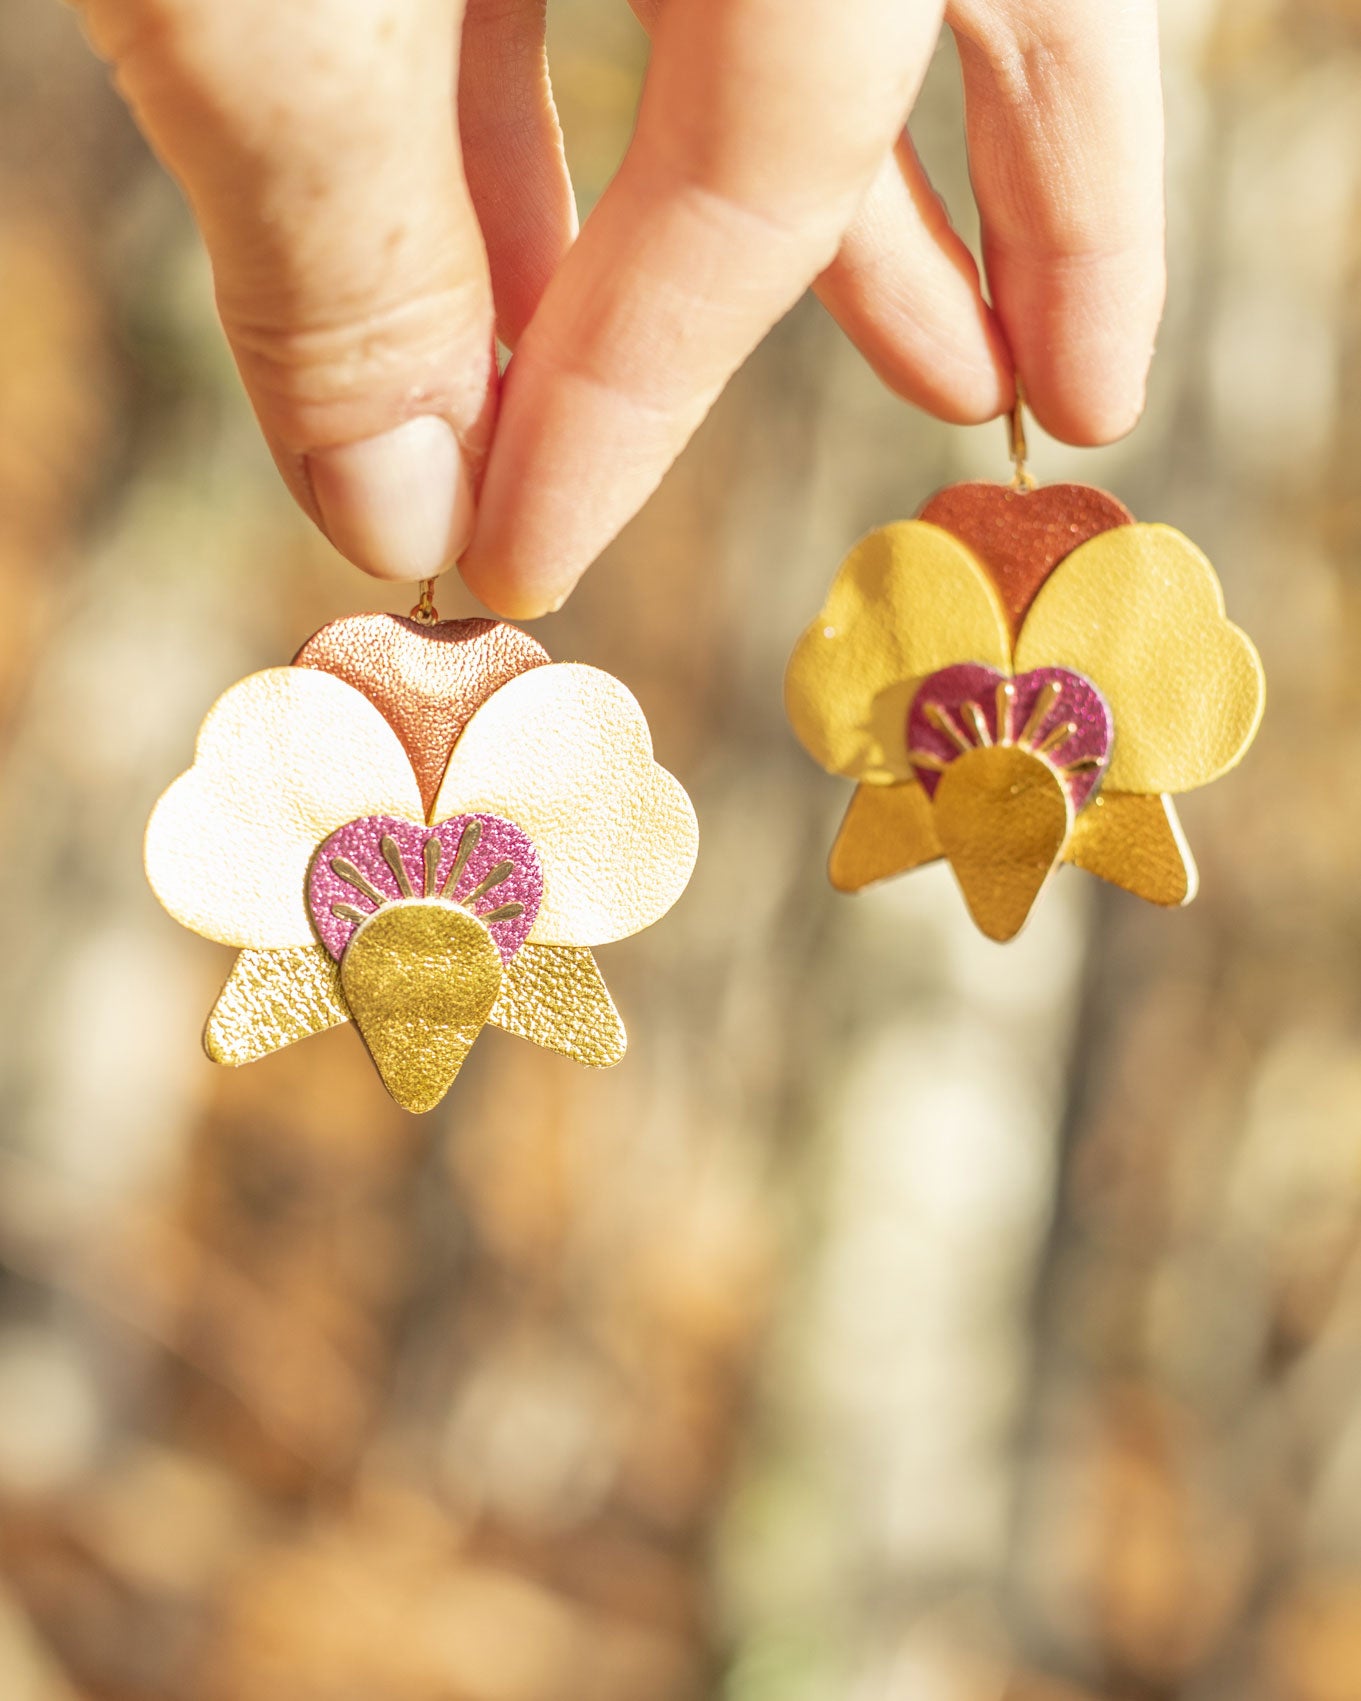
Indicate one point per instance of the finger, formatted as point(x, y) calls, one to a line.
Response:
point(513, 154)
point(1065, 132)
point(905, 289)
point(316, 145)
point(761, 126)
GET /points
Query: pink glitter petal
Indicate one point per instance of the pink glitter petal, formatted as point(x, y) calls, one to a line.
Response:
point(957, 692)
point(361, 844)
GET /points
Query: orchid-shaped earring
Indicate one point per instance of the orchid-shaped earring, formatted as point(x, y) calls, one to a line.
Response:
point(422, 826)
point(1019, 677)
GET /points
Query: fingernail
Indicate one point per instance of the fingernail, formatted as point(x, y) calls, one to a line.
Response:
point(401, 505)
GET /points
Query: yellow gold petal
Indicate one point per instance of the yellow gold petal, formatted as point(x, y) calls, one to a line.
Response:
point(1135, 842)
point(283, 758)
point(564, 752)
point(554, 995)
point(1140, 612)
point(1003, 816)
point(908, 599)
point(420, 978)
point(271, 999)
point(886, 830)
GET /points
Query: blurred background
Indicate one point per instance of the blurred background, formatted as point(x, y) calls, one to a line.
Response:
point(907, 1319)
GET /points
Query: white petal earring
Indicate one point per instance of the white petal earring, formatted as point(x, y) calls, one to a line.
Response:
point(423, 826)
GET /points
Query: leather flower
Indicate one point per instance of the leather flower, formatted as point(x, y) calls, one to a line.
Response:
point(423, 830)
point(1018, 679)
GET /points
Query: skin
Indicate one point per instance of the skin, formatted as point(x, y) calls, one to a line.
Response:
point(381, 187)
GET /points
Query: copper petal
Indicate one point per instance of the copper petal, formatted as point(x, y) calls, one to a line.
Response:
point(426, 680)
point(1020, 536)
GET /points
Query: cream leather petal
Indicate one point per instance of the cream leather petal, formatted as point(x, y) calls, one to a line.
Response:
point(564, 752)
point(1139, 610)
point(283, 758)
point(908, 599)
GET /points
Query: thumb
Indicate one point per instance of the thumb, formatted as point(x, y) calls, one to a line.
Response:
point(318, 148)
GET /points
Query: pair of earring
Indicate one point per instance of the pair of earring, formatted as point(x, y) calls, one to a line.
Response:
point(424, 826)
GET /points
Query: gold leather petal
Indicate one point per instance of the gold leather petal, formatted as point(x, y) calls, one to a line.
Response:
point(564, 752)
point(886, 830)
point(1140, 611)
point(1135, 842)
point(908, 599)
point(271, 999)
point(420, 978)
point(1003, 816)
point(554, 995)
point(283, 758)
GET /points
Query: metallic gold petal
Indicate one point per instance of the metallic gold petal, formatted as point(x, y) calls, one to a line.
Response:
point(564, 752)
point(554, 995)
point(1140, 612)
point(1135, 842)
point(886, 830)
point(271, 999)
point(907, 600)
point(420, 978)
point(1003, 816)
point(283, 758)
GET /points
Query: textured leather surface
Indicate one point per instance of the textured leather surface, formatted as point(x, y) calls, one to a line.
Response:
point(290, 756)
point(1003, 818)
point(908, 600)
point(271, 999)
point(554, 996)
point(420, 978)
point(283, 758)
point(427, 681)
point(977, 705)
point(564, 752)
point(1140, 612)
point(1135, 842)
point(356, 858)
point(886, 830)
point(1020, 536)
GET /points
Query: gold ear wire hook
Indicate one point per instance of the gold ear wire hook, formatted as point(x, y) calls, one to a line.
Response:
point(425, 610)
point(1022, 478)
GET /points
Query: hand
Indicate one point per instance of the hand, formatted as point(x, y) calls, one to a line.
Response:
point(365, 244)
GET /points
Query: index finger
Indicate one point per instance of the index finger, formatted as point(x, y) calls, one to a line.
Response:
point(762, 123)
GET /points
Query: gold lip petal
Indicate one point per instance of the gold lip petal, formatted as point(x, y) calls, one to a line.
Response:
point(270, 1000)
point(420, 978)
point(554, 995)
point(886, 830)
point(1136, 842)
point(908, 599)
point(1003, 816)
point(1139, 611)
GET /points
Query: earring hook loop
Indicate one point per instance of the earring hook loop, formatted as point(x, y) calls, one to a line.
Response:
point(425, 611)
point(1021, 478)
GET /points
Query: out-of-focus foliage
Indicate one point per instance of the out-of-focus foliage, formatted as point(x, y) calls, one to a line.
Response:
point(907, 1319)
